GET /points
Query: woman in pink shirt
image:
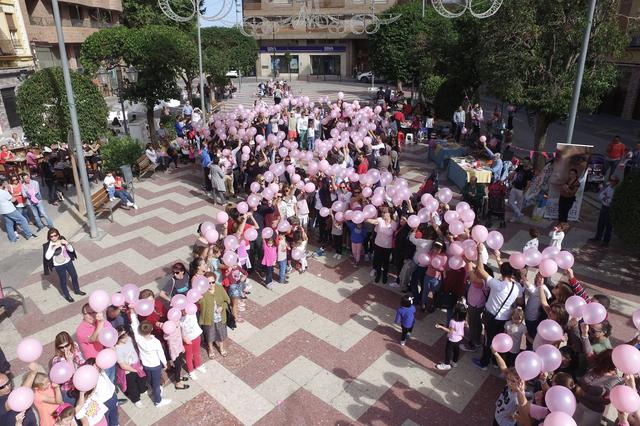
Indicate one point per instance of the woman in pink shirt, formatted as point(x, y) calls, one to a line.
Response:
point(67, 350)
point(382, 245)
point(433, 277)
point(47, 395)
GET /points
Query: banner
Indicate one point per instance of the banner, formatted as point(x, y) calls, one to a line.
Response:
point(568, 156)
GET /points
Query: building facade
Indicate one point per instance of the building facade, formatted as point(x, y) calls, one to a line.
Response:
point(16, 61)
point(314, 51)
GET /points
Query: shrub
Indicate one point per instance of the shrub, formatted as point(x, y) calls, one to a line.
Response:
point(448, 98)
point(120, 151)
point(625, 210)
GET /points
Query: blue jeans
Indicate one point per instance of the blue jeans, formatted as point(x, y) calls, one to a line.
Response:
point(38, 212)
point(124, 196)
point(417, 277)
point(111, 373)
point(282, 270)
point(430, 284)
point(268, 275)
point(112, 413)
point(10, 220)
point(311, 143)
point(62, 271)
point(154, 373)
point(111, 190)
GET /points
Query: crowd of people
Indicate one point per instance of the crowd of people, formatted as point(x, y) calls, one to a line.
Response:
point(297, 173)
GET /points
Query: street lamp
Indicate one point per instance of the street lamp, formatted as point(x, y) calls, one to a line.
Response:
point(165, 5)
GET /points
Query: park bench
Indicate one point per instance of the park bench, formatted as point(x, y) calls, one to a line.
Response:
point(101, 203)
point(144, 166)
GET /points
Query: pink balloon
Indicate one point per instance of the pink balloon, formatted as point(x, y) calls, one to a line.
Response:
point(194, 295)
point(174, 314)
point(255, 187)
point(131, 292)
point(297, 253)
point(625, 399)
point(467, 215)
point(267, 233)
point(550, 330)
point(528, 365)
point(169, 327)
point(222, 217)
point(437, 262)
point(191, 309)
point(636, 319)
point(495, 240)
point(548, 267)
point(451, 216)
point(550, 252)
point(560, 398)
point(358, 217)
point(61, 372)
point(456, 262)
point(532, 257)
point(559, 418)
point(231, 242)
point(201, 283)
point(242, 207)
point(502, 343)
point(29, 349)
point(370, 211)
point(456, 228)
point(564, 259)
point(284, 226)
point(309, 187)
point(574, 305)
point(144, 307)
point(230, 258)
point(108, 337)
point(444, 195)
point(455, 249)
point(594, 313)
point(423, 259)
point(471, 253)
point(106, 358)
point(251, 234)
point(517, 260)
point(324, 211)
point(99, 300)
point(179, 301)
point(413, 221)
point(462, 206)
point(85, 378)
point(551, 358)
point(117, 299)
point(626, 358)
point(253, 200)
point(479, 233)
point(20, 399)
point(366, 192)
point(211, 236)
point(206, 226)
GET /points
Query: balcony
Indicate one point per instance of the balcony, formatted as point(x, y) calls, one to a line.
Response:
point(103, 4)
point(76, 23)
point(42, 29)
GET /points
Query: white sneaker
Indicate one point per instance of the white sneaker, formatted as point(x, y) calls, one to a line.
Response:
point(135, 207)
point(443, 367)
point(129, 204)
point(394, 285)
point(139, 404)
point(112, 198)
point(402, 342)
point(372, 273)
point(454, 364)
point(339, 256)
point(164, 402)
point(193, 375)
point(202, 369)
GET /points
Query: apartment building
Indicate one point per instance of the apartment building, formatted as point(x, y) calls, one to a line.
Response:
point(312, 35)
point(16, 61)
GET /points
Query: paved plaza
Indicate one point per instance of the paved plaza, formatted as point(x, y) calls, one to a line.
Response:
point(322, 349)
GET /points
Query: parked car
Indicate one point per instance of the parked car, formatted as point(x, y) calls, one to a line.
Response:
point(232, 74)
point(366, 77)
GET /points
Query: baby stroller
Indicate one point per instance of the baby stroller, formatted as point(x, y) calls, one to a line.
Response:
point(595, 176)
point(497, 196)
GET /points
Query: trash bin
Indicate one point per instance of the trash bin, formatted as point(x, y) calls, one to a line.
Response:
point(127, 174)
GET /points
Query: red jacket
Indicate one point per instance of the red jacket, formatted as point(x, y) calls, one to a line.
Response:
point(615, 151)
point(159, 314)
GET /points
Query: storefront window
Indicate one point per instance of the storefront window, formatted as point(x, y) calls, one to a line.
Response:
point(279, 63)
point(325, 64)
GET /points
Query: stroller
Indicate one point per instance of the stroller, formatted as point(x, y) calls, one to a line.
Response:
point(595, 176)
point(497, 203)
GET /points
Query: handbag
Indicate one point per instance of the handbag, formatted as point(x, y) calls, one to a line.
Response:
point(231, 320)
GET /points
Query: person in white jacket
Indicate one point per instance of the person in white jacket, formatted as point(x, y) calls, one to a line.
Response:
point(152, 357)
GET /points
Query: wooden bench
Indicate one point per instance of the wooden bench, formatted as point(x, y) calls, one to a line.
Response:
point(144, 166)
point(101, 203)
point(215, 106)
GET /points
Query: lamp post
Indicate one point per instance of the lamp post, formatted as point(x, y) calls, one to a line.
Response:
point(75, 127)
point(165, 5)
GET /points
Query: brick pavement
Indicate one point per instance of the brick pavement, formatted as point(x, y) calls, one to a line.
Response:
point(320, 350)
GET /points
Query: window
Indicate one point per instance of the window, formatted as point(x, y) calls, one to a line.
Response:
point(9, 100)
point(47, 57)
point(13, 31)
point(325, 64)
point(278, 63)
point(74, 12)
point(11, 23)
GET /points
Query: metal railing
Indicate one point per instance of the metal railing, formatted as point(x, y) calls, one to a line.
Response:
point(42, 21)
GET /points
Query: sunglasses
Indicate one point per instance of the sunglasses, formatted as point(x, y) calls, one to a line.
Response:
point(64, 346)
point(5, 385)
point(178, 272)
point(54, 235)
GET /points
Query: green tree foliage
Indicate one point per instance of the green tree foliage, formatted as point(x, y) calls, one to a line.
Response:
point(120, 151)
point(411, 47)
point(140, 13)
point(44, 109)
point(531, 57)
point(226, 49)
point(448, 98)
point(154, 51)
point(625, 211)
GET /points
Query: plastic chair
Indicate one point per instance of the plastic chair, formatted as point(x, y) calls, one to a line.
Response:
point(409, 139)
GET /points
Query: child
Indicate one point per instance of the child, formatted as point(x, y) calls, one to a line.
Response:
point(47, 395)
point(405, 316)
point(269, 257)
point(282, 259)
point(110, 183)
point(557, 235)
point(358, 234)
point(433, 276)
point(302, 209)
point(235, 285)
point(455, 333)
point(191, 336)
point(533, 242)
point(516, 329)
point(511, 397)
point(336, 232)
point(300, 242)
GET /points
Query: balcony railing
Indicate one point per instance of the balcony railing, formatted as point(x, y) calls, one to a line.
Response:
point(81, 23)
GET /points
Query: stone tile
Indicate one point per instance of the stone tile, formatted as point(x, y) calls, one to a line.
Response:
point(325, 385)
point(277, 388)
point(301, 370)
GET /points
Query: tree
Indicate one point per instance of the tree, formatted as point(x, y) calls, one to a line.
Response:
point(154, 51)
point(225, 49)
point(412, 47)
point(532, 54)
point(44, 109)
point(118, 152)
point(625, 210)
point(140, 13)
